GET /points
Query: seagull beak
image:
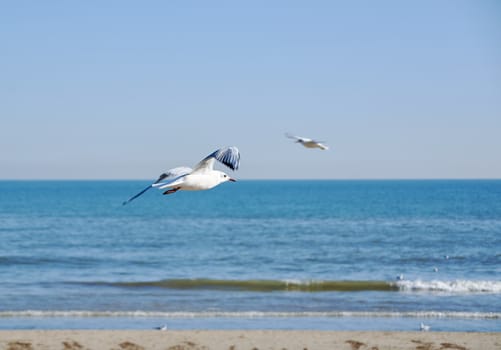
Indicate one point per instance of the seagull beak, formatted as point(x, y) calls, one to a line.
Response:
point(232, 180)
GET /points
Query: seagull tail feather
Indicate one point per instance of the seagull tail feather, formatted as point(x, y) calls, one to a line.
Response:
point(137, 195)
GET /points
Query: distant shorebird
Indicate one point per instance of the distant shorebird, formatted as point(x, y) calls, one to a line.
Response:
point(202, 177)
point(308, 143)
point(424, 327)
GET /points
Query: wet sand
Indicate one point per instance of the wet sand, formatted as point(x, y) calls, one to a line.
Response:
point(245, 339)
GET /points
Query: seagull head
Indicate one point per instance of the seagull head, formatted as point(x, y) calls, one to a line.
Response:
point(223, 177)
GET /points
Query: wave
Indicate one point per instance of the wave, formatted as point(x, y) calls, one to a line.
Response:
point(259, 285)
point(249, 314)
point(456, 286)
point(434, 286)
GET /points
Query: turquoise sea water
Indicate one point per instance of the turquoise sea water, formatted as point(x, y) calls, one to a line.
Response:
point(361, 255)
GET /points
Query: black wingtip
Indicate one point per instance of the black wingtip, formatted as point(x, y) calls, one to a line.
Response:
point(229, 156)
point(137, 195)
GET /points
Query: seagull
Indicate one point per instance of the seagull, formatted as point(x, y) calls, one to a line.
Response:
point(308, 143)
point(202, 177)
point(424, 327)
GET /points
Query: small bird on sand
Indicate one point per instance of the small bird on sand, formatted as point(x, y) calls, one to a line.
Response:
point(202, 177)
point(308, 143)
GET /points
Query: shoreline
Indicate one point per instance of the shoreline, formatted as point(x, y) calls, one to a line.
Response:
point(245, 339)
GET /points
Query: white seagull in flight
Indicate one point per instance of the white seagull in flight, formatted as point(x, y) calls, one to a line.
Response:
point(308, 143)
point(202, 177)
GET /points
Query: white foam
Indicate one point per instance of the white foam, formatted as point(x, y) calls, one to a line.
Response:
point(456, 286)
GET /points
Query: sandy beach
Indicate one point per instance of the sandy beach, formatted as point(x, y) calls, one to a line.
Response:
point(251, 340)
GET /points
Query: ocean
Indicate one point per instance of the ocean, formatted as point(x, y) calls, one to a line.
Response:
point(255, 254)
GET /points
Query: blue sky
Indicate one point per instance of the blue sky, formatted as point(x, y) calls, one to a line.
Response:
point(128, 89)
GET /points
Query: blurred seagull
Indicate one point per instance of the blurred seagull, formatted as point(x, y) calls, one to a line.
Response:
point(308, 143)
point(202, 177)
point(424, 328)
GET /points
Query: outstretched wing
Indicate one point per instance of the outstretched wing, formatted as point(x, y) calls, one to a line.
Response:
point(167, 176)
point(292, 136)
point(229, 156)
point(321, 145)
point(173, 173)
point(298, 138)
